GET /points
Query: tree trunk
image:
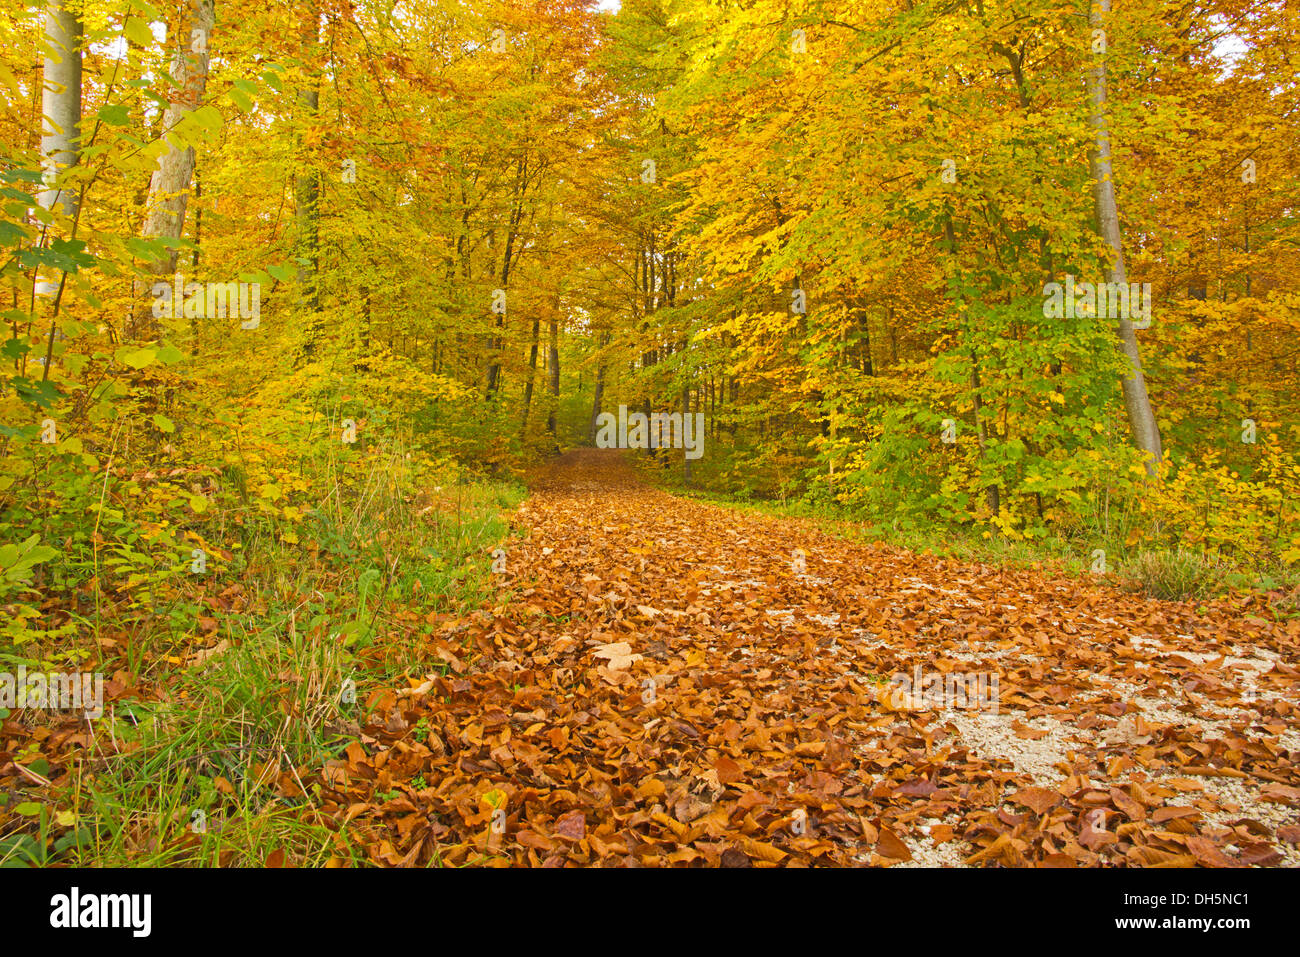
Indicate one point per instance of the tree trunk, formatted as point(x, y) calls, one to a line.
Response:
point(532, 376)
point(60, 105)
point(60, 137)
point(513, 234)
point(169, 185)
point(686, 411)
point(1142, 420)
point(306, 191)
point(977, 405)
point(599, 392)
point(307, 211)
point(553, 368)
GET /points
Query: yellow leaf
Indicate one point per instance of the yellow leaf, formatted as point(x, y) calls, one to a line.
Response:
point(764, 852)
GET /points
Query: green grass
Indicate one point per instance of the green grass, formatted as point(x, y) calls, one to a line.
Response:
point(213, 764)
point(1177, 574)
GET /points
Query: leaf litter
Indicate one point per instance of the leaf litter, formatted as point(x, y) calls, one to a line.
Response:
point(658, 686)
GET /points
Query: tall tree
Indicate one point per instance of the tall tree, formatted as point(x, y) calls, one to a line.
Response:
point(1137, 403)
point(60, 113)
point(60, 138)
point(169, 186)
point(60, 104)
point(307, 188)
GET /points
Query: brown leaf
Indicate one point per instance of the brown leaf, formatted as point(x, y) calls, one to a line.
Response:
point(572, 826)
point(892, 846)
point(728, 771)
point(1259, 853)
point(763, 852)
point(1280, 793)
point(733, 857)
point(1038, 800)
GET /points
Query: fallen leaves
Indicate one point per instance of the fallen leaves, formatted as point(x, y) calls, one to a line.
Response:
point(667, 693)
point(891, 845)
point(727, 771)
point(619, 654)
point(571, 826)
point(1038, 800)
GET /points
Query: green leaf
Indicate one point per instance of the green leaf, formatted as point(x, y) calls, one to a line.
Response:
point(40, 394)
point(115, 114)
point(17, 560)
point(21, 175)
point(169, 355)
point(63, 254)
point(138, 32)
point(11, 233)
point(137, 358)
point(163, 423)
point(208, 118)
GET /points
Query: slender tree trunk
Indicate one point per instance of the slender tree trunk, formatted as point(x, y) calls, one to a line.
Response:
point(651, 448)
point(307, 192)
point(1141, 418)
point(981, 436)
point(686, 411)
point(307, 211)
point(60, 105)
point(553, 369)
point(532, 375)
point(169, 186)
point(60, 138)
point(513, 233)
point(198, 224)
point(599, 392)
point(365, 318)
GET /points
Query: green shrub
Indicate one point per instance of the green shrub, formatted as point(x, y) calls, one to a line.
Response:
point(1176, 575)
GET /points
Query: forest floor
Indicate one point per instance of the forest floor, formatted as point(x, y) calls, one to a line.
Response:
point(668, 682)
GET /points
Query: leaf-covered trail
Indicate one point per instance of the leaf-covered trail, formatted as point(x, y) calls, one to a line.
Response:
point(660, 685)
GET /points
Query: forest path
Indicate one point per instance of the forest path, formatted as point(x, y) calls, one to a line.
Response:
point(664, 686)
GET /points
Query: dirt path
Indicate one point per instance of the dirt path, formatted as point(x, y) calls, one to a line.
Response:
point(670, 684)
